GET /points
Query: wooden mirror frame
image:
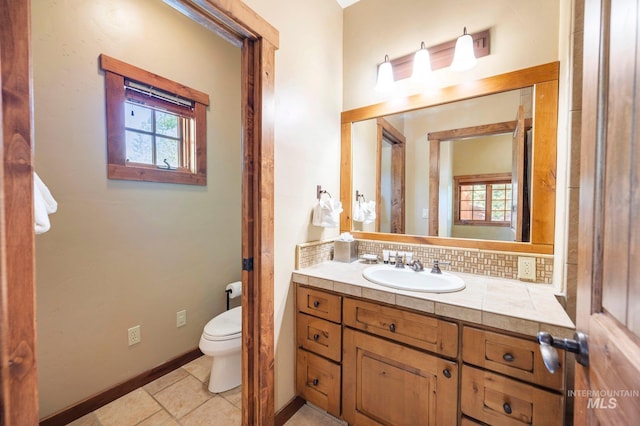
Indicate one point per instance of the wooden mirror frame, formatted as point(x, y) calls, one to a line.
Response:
point(544, 79)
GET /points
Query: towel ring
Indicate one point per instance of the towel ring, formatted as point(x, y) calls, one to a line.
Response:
point(320, 191)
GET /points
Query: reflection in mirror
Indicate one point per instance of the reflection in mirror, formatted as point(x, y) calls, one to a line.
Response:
point(493, 140)
point(469, 141)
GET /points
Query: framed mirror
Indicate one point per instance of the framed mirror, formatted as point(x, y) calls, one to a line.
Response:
point(471, 165)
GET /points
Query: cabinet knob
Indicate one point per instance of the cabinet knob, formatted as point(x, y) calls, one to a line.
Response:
point(446, 373)
point(316, 303)
point(315, 382)
point(508, 357)
point(507, 408)
point(392, 328)
point(316, 337)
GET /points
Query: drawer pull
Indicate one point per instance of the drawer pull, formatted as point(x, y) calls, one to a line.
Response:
point(507, 408)
point(316, 337)
point(315, 382)
point(392, 328)
point(316, 303)
point(508, 357)
point(446, 373)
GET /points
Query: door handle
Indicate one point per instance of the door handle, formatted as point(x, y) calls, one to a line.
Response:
point(548, 345)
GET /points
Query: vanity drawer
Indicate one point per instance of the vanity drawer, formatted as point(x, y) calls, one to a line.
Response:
point(498, 400)
point(319, 304)
point(318, 381)
point(319, 336)
point(513, 356)
point(413, 329)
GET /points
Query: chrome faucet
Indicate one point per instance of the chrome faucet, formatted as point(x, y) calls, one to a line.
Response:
point(436, 266)
point(416, 265)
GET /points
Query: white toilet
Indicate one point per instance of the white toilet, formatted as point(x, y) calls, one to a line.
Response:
point(222, 339)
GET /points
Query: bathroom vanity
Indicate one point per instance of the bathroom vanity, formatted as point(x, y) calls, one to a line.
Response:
point(369, 354)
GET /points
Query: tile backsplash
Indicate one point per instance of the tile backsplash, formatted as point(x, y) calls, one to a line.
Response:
point(471, 261)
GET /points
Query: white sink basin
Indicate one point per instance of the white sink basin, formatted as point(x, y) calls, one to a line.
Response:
point(410, 280)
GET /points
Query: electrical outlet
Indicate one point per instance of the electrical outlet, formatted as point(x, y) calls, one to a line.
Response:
point(526, 268)
point(181, 318)
point(134, 335)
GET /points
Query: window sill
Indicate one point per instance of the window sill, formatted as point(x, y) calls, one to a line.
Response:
point(150, 174)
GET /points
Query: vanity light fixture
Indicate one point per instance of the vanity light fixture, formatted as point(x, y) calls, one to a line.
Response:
point(464, 58)
point(385, 76)
point(460, 54)
point(421, 66)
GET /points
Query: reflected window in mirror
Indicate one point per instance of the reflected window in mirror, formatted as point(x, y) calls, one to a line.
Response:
point(483, 200)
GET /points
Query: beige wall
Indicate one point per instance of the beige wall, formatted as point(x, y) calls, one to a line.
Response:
point(523, 34)
point(364, 142)
point(123, 253)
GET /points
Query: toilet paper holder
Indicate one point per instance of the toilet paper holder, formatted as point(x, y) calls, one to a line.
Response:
point(229, 289)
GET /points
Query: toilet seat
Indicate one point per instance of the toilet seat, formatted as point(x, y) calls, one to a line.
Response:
point(226, 326)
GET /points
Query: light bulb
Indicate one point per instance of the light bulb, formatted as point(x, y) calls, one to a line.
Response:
point(464, 58)
point(421, 66)
point(385, 76)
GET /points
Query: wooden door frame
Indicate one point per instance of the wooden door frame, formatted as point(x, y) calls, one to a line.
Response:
point(435, 138)
point(240, 25)
point(398, 167)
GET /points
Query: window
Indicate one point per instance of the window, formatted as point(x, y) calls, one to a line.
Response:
point(156, 128)
point(483, 200)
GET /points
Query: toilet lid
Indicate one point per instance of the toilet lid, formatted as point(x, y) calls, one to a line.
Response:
point(226, 324)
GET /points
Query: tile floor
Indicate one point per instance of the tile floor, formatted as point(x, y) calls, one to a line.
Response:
point(181, 398)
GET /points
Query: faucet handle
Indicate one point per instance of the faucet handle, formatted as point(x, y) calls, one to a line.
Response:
point(436, 266)
point(416, 265)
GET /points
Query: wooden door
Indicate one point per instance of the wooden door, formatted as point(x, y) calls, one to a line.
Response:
point(517, 175)
point(385, 383)
point(389, 134)
point(608, 390)
point(18, 368)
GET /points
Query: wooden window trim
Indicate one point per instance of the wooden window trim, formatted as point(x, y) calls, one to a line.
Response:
point(490, 178)
point(116, 72)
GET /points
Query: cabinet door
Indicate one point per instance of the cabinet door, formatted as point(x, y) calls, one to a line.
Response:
point(498, 400)
point(318, 381)
point(386, 383)
point(319, 304)
point(417, 330)
point(513, 356)
point(319, 336)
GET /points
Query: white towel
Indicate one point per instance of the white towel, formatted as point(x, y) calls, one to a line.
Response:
point(358, 213)
point(365, 212)
point(43, 205)
point(326, 213)
point(369, 209)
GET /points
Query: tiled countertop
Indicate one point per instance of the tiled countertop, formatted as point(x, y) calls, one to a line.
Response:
point(495, 302)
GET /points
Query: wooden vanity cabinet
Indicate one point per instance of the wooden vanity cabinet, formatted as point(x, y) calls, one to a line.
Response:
point(375, 364)
point(392, 384)
point(319, 348)
point(499, 400)
point(421, 331)
point(390, 379)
